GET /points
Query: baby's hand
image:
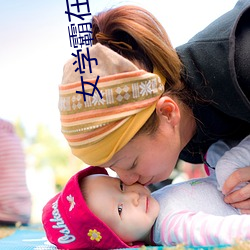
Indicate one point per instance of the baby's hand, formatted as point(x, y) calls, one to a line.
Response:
point(240, 198)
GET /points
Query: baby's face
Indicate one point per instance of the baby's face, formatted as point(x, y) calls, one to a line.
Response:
point(130, 211)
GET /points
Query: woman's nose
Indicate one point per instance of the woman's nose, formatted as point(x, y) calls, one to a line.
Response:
point(126, 177)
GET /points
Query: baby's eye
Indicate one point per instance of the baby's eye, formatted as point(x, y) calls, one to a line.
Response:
point(120, 206)
point(121, 186)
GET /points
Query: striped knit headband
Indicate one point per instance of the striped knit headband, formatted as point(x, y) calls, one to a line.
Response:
point(98, 127)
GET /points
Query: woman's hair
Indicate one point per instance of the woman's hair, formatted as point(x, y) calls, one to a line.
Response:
point(137, 35)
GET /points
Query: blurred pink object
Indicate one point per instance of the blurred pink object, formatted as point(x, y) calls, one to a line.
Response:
point(15, 199)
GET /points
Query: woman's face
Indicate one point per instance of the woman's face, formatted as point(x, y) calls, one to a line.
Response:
point(148, 159)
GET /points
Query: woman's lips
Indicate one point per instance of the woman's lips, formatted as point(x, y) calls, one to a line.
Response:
point(148, 183)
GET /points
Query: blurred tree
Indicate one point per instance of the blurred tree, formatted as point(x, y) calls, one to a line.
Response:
point(20, 130)
point(45, 150)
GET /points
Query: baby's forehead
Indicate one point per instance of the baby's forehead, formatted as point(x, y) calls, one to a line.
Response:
point(99, 183)
point(99, 177)
point(95, 176)
point(91, 183)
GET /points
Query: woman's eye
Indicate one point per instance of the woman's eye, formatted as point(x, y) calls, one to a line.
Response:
point(120, 206)
point(121, 186)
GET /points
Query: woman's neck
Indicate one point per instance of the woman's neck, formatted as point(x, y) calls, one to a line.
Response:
point(187, 125)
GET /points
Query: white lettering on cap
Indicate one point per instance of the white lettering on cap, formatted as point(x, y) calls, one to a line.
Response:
point(67, 237)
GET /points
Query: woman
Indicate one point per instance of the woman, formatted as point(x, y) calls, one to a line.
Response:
point(205, 97)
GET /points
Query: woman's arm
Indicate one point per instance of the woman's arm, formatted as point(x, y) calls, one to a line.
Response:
point(233, 175)
point(237, 157)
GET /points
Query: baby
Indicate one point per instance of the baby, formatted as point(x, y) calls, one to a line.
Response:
point(96, 211)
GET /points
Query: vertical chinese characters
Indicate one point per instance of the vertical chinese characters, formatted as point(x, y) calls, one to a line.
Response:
point(80, 35)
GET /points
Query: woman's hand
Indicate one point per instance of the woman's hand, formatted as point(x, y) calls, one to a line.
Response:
point(241, 197)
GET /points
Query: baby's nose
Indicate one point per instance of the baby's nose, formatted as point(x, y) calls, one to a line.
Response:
point(133, 197)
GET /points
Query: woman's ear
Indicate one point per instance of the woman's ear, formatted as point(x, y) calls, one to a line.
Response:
point(168, 109)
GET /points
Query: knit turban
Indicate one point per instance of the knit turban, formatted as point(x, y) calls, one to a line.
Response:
point(101, 125)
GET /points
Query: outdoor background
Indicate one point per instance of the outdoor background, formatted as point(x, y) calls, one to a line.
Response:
point(34, 46)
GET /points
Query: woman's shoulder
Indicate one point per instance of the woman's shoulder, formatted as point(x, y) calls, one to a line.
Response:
point(209, 65)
